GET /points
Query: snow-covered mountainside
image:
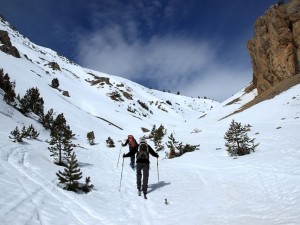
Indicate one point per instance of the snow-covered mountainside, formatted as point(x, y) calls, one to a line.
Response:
point(202, 187)
point(105, 96)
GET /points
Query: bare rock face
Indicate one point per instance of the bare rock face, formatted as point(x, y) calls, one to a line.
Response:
point(66, 93)
point(54, 66)
point(6, 46)
point(275, 47)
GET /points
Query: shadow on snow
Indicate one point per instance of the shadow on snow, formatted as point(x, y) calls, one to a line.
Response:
point(153, 187)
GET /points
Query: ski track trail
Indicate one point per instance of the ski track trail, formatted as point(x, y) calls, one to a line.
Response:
point(43, 191)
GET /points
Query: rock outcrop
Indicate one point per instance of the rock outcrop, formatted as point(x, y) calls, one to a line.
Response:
point(54, 66)
point(6, 46)
point(275, 47)
point(275, 53)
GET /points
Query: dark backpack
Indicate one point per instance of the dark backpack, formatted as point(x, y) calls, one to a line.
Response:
point(143, 152)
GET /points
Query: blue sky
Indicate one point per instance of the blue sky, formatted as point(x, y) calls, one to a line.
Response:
point(196, 47)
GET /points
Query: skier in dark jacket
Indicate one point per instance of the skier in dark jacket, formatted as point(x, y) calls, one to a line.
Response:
point(142, 163)
point(132, 144)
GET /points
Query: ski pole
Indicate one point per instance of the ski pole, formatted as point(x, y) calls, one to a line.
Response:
point(119, 156)
point(121, 174)
point(157, 171)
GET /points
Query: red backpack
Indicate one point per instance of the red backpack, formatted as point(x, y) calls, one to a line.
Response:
point(132, 142)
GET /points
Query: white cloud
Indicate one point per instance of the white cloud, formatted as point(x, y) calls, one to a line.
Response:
point(108, 51)
point(219, 82)
point(167, 62)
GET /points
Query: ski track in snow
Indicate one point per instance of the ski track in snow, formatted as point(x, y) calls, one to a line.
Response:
point(44, 190)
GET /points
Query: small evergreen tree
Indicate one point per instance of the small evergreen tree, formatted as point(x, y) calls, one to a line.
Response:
point(91, 137)
point(237, 141)
point(87, 186)
point(16, 135)
point(8, 87)
point(47, 120)
point(187, 148)
point(55, 83)
point(152, 133)
point(24, 132)
point(177, 149)
point(171, 144)
point(10, 95)
point(32, 133)
point(157, 136)
point(61, 144)
point(71, 175)
point(32, 102)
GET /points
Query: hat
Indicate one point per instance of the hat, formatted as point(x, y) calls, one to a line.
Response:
point(142, 139)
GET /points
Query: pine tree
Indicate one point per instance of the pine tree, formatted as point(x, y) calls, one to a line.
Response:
point(152, 133)
point(16, 135)
point(177, 149)
point(32, 102)
point(8, 87)
point(171, 144)
point(157, 135)
point(24, 132)
point(187, 148)
point(47, 120)
point(91, 137)
point(32, 133)
point(87, 187)
point(71, 175)
point(10, 95)
point(238, 143)
point(61, 144)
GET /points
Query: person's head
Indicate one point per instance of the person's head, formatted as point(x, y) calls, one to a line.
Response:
point(143, 140)
point(130, 136)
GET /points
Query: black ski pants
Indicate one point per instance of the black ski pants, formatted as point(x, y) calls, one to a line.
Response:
point(142, 168)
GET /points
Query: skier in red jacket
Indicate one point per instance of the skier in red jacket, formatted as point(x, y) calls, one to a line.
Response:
point(132, 144)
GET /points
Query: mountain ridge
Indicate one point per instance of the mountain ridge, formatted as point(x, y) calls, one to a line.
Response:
point(121, 94)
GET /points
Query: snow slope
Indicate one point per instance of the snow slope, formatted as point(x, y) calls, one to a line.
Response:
point(203, 187)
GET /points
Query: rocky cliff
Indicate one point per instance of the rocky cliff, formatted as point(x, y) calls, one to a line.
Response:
point(275, 46)
point(6, 46)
